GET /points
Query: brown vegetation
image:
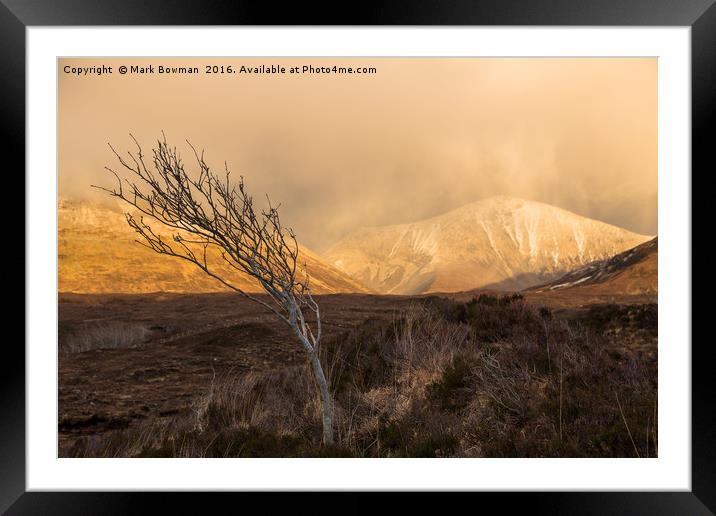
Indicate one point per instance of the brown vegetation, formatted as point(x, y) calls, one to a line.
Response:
point(491, 377)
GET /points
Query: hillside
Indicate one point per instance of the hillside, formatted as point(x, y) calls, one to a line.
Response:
point(97, 253)
point(633, 272)
point(499, 242)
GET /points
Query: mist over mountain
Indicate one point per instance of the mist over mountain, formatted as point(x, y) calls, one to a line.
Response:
point(499, 241)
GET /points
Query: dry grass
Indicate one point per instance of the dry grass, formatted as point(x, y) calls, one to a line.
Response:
point(104, 335)
point(495, 377)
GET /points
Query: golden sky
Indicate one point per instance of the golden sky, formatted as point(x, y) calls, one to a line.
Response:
point(418, 138)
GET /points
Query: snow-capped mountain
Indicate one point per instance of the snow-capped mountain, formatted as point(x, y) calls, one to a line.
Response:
point(500, 242)
point(97, 253)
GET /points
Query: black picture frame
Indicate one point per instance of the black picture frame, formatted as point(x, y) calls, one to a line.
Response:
point(17, 15)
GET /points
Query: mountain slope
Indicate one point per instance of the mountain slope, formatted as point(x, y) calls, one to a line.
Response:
point(97, 253)
point(496, 241)
point(632, 272)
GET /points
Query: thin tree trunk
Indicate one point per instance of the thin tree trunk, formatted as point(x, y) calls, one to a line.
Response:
point(325, 398)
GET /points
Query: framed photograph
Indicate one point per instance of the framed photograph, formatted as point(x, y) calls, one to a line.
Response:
point(426, 249)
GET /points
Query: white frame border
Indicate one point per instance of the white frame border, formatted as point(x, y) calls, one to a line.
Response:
point(671, 471)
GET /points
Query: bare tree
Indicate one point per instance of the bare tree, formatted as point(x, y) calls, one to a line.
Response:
point(210, 212)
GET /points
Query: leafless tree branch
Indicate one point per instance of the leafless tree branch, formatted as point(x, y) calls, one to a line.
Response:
point(209, 211)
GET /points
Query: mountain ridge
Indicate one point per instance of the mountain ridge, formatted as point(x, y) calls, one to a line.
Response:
point(481, 243)
point(632, 272)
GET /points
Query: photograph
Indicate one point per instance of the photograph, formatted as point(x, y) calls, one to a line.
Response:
point(357, 257)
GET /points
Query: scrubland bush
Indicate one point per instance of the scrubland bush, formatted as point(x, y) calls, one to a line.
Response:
point(494, 377)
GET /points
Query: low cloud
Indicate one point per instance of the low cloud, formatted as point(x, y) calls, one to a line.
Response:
point(420, 137)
